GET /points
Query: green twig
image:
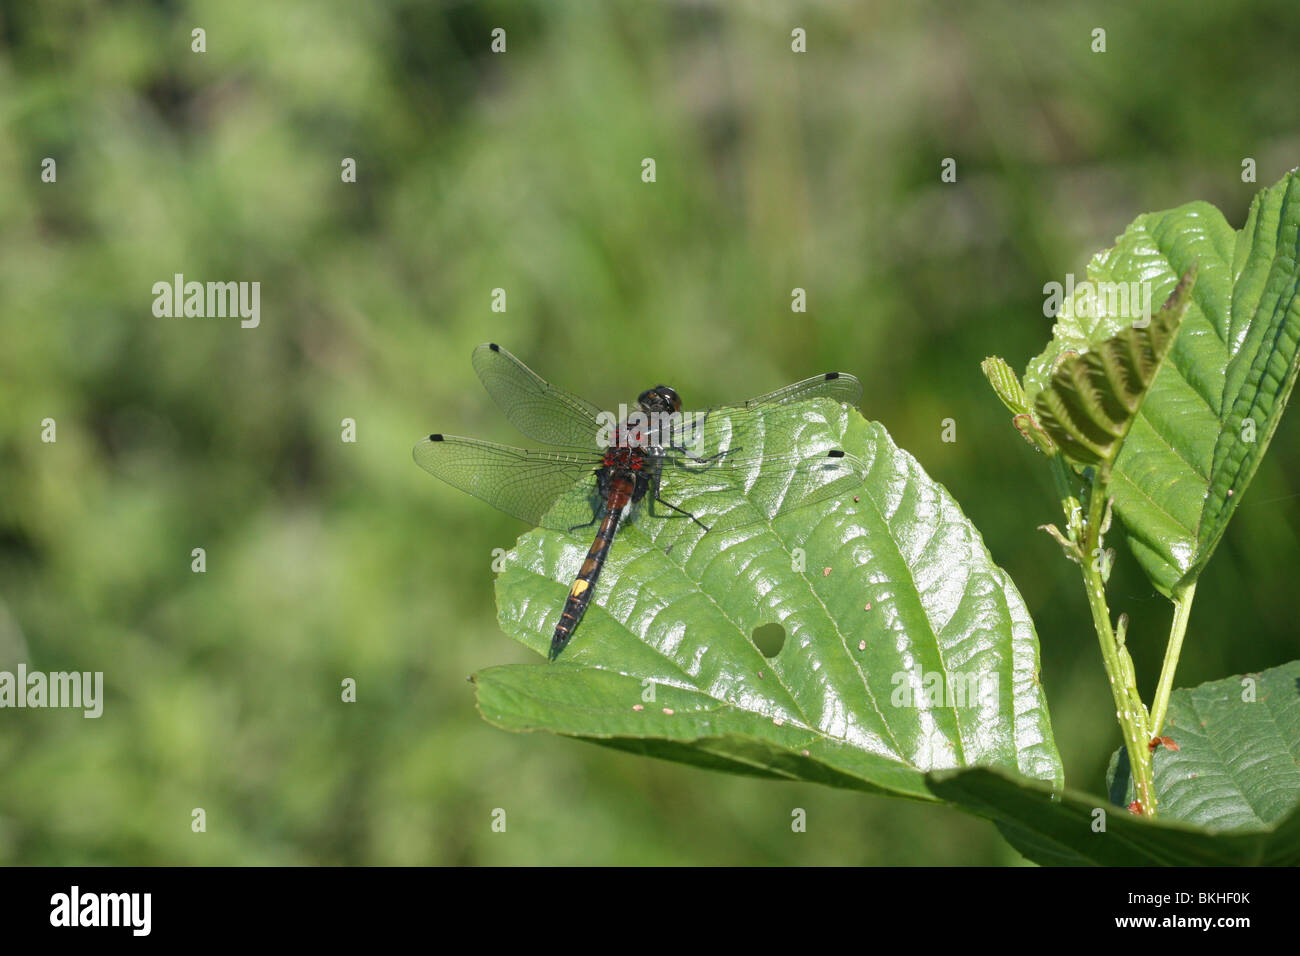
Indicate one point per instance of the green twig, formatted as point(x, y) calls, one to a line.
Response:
point(1129, 709)
point(1085, 545)
point(1182, 610)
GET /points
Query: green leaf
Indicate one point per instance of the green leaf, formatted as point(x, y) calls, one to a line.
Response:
point(1005, 383)
point(1060, 829)
point(1238, 761)
point(1263, 370)
point(879, 591)
point(1189, 455)
point(1007, 386)
point(1093, 398)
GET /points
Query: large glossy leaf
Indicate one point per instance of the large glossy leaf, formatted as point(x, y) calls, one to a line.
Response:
point(1062, 829)
point(1237, 765)
point(884, 591)
point(1191, 453)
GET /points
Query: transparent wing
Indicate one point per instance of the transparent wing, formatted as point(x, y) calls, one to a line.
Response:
point(740, 426)
point(837, 386)
point(557, 490)
point(526, 484)
point(540, 410)
point(732, 492)
point(708, 461)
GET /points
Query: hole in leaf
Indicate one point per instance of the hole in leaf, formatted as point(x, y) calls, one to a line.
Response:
point(769, 639)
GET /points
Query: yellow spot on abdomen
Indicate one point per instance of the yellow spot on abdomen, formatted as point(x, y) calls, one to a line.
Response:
point(578, 587)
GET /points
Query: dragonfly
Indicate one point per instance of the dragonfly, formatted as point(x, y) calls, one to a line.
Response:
point(640, 464)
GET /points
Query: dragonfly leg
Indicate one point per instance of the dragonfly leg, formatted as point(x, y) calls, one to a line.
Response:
point(708, 460)
point(595, 516)
point(681, 511)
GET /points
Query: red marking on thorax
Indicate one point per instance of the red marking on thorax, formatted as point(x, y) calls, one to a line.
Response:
point(629, 458)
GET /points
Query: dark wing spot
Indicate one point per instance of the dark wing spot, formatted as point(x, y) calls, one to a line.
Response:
point(494, 347)
point(837, 453)
point(435, 438)
point(832, 375)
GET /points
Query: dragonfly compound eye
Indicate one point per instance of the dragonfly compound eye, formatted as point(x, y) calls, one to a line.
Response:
point(661, 398)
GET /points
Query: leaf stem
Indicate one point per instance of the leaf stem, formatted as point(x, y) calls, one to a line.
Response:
point(1182, 611)
point(1062, 479)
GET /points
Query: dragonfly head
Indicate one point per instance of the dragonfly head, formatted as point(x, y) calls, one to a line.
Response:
point(661, 398)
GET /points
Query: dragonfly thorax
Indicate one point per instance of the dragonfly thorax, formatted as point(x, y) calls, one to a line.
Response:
point(656, 419)
point(626, 460)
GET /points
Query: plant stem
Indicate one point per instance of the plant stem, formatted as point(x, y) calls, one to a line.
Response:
point(1182, 611)
point(1062, 480)
point(1129, 709)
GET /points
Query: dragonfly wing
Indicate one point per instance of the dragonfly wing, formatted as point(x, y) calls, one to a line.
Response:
point(550, 489)
point(540, 410)
point(737, 426)
point(733, 492)
point(838, 386)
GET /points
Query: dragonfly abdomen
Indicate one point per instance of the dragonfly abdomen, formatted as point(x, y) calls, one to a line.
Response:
point(575, 606)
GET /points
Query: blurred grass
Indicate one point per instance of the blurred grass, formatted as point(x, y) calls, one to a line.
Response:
point(522, 171)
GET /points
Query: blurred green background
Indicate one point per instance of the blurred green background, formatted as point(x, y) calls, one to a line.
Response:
point(521, 170)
